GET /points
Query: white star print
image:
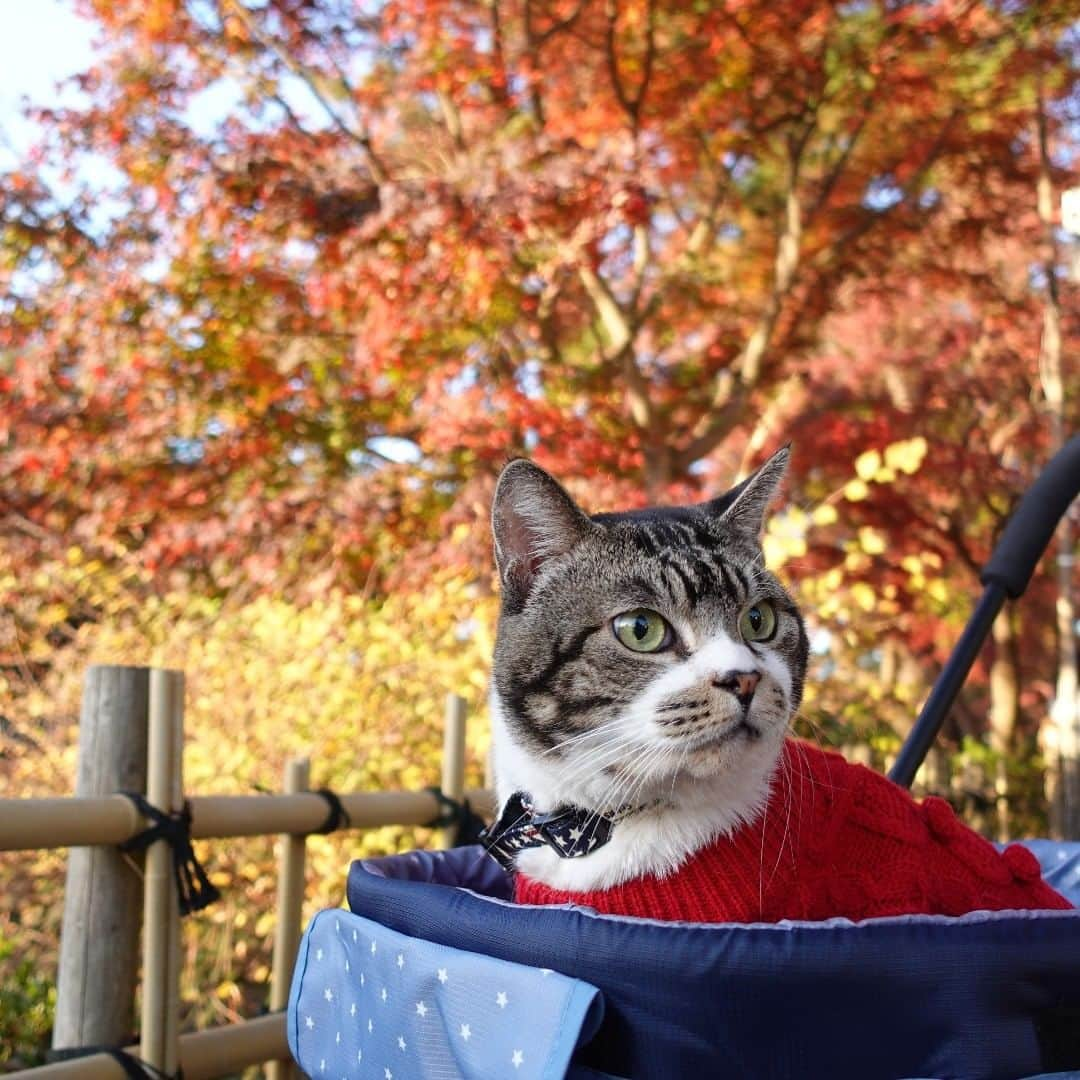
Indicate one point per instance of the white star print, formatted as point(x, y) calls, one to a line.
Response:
point(359, 1056)
point(421, 1009)
point(352, 1009)
point(575, 833)
point(318, 954)
point(400, 961)
point(328, 994)
point(322, 1065)
point(501, 999)
point(337, 1038)
point(466, 1032)
point(310, 1022)
point(442, 975)
point(401, 1042)
point(383, 994)
point(387, 1074)
point(361, 978)
point(374, 947)
point(370, 1027)
point(518, 1059)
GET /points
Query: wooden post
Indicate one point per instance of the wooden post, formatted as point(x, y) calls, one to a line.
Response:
point(99, 943)
point(159, 1045)
point(453, 762)
point(291, 852)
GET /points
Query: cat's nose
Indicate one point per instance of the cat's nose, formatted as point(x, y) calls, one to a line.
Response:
point(740, 683)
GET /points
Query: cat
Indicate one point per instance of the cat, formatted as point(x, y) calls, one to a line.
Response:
point(647, 667)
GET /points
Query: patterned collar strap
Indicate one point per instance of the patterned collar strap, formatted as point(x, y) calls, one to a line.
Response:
point(570, 831)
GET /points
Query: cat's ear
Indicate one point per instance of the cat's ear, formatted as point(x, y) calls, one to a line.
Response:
point(532, 520)
point(744, 506)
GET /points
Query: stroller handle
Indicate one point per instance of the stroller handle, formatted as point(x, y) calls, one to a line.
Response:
point(1032, 525)
point(1007, 574)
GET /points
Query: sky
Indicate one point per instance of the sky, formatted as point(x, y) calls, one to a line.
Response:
point(41, 43)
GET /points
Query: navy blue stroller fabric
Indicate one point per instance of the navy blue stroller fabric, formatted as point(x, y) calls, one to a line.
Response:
point(987, 995)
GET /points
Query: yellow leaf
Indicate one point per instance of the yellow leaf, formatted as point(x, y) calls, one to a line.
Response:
point(52, 615)
point(867, 465)
point(855, 491)
point(906, 456)
point(825, 514)
point(871, 541)
point(863, 595)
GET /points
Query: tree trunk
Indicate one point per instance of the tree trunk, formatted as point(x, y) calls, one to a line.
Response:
point(1004, 685)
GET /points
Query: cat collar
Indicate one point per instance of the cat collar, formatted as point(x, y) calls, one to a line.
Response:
point(570, 831)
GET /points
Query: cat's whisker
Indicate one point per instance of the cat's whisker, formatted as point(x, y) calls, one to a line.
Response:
point(603, 731)
point(594, 764)
point(634, 775)
point(644, 776)
point(625, 773)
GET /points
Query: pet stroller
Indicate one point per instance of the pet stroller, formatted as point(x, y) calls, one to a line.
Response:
point(433, 972)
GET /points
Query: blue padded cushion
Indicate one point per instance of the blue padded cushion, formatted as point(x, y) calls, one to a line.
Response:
point(367, 1001)
point(985, 995)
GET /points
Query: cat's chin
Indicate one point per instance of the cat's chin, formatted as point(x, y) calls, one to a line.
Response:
point(726, 748)
point(712, 797)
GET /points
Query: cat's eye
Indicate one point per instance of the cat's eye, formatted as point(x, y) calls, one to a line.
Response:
point(642, 630)
point(758, 622)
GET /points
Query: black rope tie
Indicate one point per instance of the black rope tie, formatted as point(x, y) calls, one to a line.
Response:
point(194, 888)
point(337, 817)
point(468, 825)
point(134, 1068)
point(137, 1069)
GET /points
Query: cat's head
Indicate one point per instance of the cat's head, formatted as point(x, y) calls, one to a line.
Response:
point(641, 651)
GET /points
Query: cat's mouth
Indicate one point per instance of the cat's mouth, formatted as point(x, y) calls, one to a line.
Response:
point(740, 729)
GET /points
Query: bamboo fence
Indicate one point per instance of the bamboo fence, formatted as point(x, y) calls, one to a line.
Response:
point(112, 705)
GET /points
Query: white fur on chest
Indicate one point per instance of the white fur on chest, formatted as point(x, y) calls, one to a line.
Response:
point(655, 841)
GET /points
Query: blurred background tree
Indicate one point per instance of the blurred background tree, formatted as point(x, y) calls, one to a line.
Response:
point(259, 376)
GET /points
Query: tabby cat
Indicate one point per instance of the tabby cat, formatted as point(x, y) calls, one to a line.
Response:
point(647, 666)
point(642, 658)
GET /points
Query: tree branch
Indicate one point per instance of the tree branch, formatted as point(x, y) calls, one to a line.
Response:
point(620, 332)
point(734, 384)
point(631, 104)
point(309, 79)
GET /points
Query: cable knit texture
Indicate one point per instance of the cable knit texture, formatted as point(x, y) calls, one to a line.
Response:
point(836, 839)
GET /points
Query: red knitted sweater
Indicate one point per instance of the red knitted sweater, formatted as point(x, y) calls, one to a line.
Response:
point(836, 840)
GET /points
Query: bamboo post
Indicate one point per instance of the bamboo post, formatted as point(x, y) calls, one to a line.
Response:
point(204, 1055)
point(158, 1046)
point(32, 824)
point(291, 854)
point(99, 942)
point(453, 762)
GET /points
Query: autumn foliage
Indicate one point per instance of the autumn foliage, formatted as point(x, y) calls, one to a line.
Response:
point(267, 367)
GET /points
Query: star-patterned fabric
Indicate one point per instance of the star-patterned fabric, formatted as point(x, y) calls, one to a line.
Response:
point(369, 1002)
